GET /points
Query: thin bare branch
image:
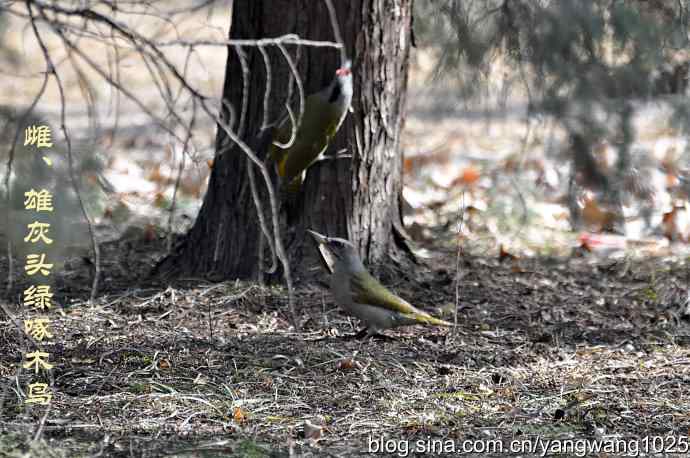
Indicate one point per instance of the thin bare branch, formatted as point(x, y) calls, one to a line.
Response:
point(250, 171)
point(179, 176)
point(336, 31)
point(300, 88)
point(290, 39)
point(280, 249)
point(267, 92)
point(245, 90)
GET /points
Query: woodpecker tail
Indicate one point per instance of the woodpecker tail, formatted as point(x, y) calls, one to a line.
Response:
point(425, 318)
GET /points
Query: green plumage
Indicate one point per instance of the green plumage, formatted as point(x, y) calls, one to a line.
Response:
point(319, 124)
point(323, 113)
point(368, 290)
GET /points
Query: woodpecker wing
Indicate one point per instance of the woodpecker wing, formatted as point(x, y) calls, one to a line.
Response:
point(368, 290)
point(321, 120)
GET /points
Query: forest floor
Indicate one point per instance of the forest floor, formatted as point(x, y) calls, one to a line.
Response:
point(577, 348)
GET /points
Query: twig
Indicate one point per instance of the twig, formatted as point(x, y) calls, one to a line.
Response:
point(515, 184)
point(280, 249)
point(245, 90)
point(179, 176)
point(336, 31)
point(210, 323)
point(250, 171)
point(289, 39)
point(293, 78)
point(73, 47)
point(267, 92)
point(300, 88)
point(459, 254)
point(41, 424)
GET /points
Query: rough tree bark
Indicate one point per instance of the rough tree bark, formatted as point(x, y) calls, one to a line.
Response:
point(358, 198)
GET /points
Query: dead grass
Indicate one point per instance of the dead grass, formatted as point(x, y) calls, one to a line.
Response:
point(568, 348)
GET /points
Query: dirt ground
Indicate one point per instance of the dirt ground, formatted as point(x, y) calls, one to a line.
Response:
point(579, 348)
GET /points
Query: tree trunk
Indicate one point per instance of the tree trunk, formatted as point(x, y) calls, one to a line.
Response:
point(358, 197)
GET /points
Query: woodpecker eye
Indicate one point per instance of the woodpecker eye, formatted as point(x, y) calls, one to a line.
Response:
point(337, 245)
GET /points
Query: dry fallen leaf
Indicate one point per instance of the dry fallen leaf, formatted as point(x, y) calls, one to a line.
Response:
point(504, 255)
point(159, 200)
point(156, 176)
point(467, 177)
point(239, 415)
point(676, 225)
point(346, 364)
point(595, 217)
point(516, 268)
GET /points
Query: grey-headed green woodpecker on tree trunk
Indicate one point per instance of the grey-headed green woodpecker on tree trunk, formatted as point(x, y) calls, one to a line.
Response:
point(324, 113)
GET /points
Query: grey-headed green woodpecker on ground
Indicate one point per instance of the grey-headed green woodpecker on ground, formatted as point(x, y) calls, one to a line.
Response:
point(324, 112)
point(360, 294)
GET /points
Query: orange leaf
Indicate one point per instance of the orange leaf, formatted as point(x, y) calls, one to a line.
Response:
point(516, 268)
point(156, 175)
point(595, 217)
point(408, 165)
point(503, 254)
point(239, 415)
point(670, 225)
point(468, 176)
point(346, 364)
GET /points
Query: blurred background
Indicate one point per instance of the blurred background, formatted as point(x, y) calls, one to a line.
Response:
point(533, 127)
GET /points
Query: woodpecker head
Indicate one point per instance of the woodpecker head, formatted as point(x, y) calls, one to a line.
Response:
point(335, 251)
point(342, 83)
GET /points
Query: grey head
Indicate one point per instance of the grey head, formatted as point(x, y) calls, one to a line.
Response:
point(339, 252)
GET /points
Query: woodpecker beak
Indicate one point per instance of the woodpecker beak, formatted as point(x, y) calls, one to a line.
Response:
point(327, 257)
point(320, 239)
